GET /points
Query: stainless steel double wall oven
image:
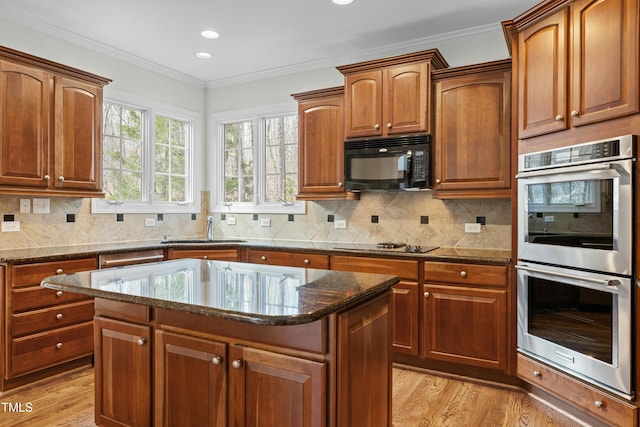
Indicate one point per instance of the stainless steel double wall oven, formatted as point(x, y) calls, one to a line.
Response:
point(575, 260)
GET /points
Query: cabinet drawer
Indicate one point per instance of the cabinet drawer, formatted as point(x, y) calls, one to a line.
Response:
point(293, 259)
point(39, 351)
point(214, 254)
point(466, 274)
point(612, 411)
point(51, 318)
point(402, 268)
point(36, 297)
point(130, 258)
point(32, 274)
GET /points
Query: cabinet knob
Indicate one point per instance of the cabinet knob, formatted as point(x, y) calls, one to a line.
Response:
point(599, 404)
point(237, 364)
point(307, 262)
point(59, 346)
point(141, 341)
point(216, 360)
point(263, 257)
point(537, 374)
point(61, 178)
point(574, 113)
point(559, 118)
point(437, 180)
point(205, 257)
point(463, 273)
point(377, 126)
point(427, 294)
point(59, 271)
point(340, 184)
point(59, 294)
point(59, 316)
point(389, 126)
point(46, 177)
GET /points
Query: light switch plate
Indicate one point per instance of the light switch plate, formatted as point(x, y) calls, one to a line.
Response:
point(25, 205)
point(149, 222)
point(231, 220)
point(472, 227)
point(41, 206)
point(265, 222)
point(340, 223)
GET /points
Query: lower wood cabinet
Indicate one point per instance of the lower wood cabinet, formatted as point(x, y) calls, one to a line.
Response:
point(122, 356)
point(288, 258)
point(404, 314)
point(230, 254)
point(464, 314)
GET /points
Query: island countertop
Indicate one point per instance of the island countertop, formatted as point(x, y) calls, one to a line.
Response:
point(260, 294)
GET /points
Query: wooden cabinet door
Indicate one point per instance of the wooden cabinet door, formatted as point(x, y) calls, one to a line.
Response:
point(270, 389)
point(542, 76)
point(25, 105)
point(363, 104)
point(405, 109)
point(188, 372)
point(321, 150)
point(465, 325)
point(77, 151)
point(604, 71)
point(122, 356)
point(473, 133)
point(404, 317)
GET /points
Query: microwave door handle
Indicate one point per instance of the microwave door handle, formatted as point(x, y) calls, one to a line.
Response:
point(571, 169)
point(607, 282)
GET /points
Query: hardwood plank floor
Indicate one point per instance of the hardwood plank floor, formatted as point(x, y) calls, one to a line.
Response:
point(419, 399)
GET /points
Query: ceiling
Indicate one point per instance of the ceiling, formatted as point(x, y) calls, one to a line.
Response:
point(258, 38)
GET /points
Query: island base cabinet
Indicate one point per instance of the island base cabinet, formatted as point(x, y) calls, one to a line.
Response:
point(123, 373)
point(270, 389)
point(190, 381)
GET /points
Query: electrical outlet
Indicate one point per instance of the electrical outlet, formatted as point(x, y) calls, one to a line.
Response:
point(25, 205)
point(340, 223)
point(231, 220)
point(9, 226)
point(265, 222)
point(149, 222)
point(472, 227)
point(549, 218)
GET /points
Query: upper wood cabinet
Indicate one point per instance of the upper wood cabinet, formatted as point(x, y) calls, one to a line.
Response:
point(50, 128)
point(390, 96)
point(320, 144)
point(473, 131)
point(576, 65)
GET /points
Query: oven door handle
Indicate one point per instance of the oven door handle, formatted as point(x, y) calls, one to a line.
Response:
point(607, 282)
point(571, 169)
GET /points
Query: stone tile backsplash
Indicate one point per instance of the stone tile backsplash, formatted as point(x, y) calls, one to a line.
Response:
point(399, 220)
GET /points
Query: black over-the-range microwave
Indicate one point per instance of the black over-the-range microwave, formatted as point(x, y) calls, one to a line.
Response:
point(397, 163)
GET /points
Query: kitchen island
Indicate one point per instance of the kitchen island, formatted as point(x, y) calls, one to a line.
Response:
point(192, 342)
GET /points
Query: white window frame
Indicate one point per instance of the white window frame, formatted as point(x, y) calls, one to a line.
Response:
point(216, 160)
point(194, 184)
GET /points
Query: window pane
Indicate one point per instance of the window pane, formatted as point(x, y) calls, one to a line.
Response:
point(274, 160)
point(171, 159)
point(238, 162)
point(281, 158)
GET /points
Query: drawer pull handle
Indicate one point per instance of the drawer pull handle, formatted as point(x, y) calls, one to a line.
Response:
point(59, 294)
point(306, 261)
point(141, 341)
point(537, 374)
point(59, 346)
point(59, 271)
point(59, 316)
point(599, 404)
point(237, 364)
point(216, 360)
point(263, 258)
point(463, 273)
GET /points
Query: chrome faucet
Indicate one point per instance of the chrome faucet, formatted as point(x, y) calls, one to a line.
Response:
point(210, 227)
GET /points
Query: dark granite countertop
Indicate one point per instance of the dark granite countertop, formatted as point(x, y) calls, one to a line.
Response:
point(261, 294)
point(449, 254)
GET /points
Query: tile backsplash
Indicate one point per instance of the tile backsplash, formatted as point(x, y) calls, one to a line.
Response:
point(412, 218)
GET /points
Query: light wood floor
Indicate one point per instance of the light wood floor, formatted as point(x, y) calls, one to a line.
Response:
point(419, 399)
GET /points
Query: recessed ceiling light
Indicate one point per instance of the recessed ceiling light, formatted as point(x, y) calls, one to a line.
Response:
point(342, 2)
point(210, 34)
point(204, 55)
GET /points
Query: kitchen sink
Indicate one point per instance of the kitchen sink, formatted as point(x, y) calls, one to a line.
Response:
point(181, 241)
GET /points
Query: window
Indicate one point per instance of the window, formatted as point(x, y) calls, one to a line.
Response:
point(257, 155)
point(148, 159)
